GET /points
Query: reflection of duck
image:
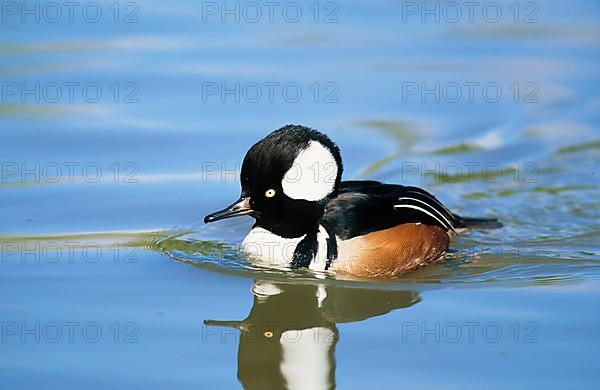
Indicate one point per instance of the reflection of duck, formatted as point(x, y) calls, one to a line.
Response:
point(289, 337)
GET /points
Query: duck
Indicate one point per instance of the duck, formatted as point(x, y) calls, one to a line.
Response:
point(307, 217)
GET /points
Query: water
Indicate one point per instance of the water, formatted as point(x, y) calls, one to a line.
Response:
point(109, 277)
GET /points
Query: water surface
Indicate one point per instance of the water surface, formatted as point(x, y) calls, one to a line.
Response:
point(110, 279)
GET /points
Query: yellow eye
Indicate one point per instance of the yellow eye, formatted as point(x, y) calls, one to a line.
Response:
point(270, 193)
point(268, 334)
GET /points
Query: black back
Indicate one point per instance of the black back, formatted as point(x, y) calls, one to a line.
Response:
point(363, 207)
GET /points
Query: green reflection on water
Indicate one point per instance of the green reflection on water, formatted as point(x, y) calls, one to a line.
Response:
point(458, 149)
point(585, 146)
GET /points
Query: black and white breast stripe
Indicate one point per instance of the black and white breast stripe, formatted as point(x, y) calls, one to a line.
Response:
point(307, 249)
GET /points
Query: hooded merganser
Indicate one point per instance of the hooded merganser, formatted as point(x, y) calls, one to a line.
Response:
point(307, 217)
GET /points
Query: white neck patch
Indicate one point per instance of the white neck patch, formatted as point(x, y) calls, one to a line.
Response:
point(312, 175)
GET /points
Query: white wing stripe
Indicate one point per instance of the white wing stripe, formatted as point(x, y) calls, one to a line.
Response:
point(427, 204)
point(420, 209)
point(429, 196)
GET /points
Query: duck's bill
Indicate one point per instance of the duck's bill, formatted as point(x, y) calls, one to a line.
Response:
point(240, 207)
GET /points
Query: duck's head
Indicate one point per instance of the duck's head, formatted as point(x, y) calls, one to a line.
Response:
point(287, 178)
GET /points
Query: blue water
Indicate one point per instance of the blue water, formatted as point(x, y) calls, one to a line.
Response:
point(108, 273)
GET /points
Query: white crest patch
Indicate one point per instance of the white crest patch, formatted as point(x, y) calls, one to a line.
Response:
point(312, 175)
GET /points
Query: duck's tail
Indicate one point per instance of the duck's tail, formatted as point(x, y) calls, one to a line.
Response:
point(478, 223)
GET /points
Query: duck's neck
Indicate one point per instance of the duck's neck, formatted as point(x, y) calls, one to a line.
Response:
point(289, 229)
